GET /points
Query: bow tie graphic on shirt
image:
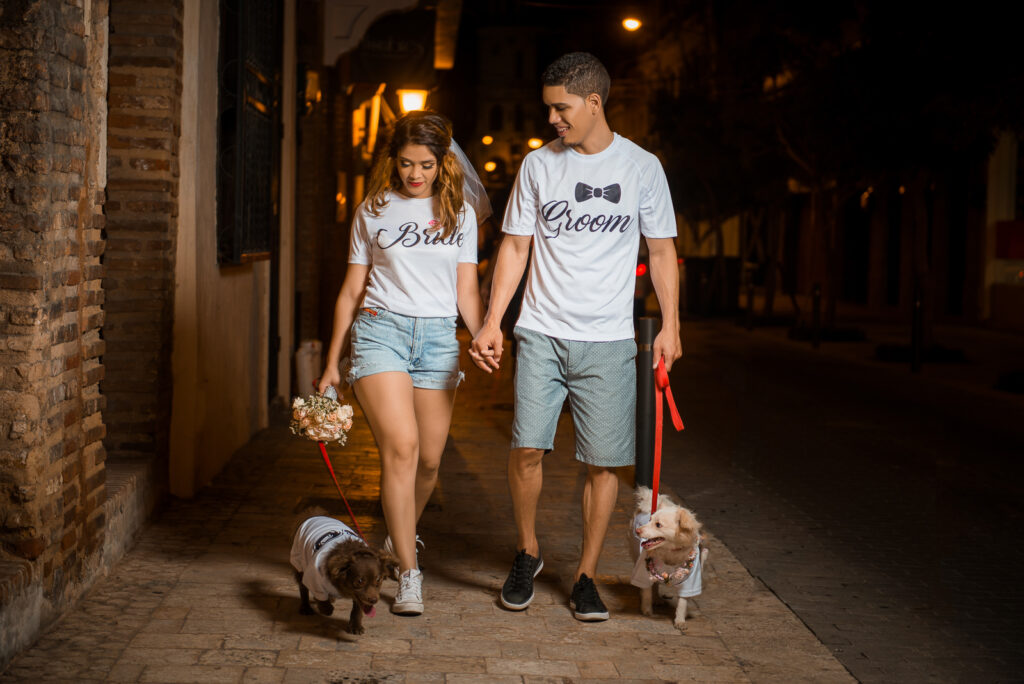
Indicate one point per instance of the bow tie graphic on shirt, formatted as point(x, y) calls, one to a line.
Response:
point(612, 193)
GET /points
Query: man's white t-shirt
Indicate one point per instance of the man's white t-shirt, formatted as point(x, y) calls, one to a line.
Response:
point(586, 213)
point(413, 270)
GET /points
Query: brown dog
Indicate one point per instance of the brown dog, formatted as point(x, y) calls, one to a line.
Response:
point(331, 561)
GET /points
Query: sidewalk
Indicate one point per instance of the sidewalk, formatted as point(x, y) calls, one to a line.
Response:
point(207, 594)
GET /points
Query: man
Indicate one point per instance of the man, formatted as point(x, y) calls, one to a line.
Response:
point(583, 201)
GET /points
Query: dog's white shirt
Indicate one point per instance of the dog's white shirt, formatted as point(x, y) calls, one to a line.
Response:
point(313, 539)
point(691, 585)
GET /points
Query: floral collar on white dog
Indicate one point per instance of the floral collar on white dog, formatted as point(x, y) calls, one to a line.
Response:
point(659, 574)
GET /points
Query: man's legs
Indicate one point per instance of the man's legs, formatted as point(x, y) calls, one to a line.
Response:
point(525, 479)
point(602, 395)
point(599, 494)
point(539, 392)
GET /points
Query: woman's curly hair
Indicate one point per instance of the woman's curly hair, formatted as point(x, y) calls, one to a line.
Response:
point(435, 132)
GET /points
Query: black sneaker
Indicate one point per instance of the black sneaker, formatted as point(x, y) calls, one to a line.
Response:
point(518, 590)
point(585, 601)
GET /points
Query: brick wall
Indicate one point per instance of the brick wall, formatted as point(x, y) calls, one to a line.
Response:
point(142, 208)
point(52, 143)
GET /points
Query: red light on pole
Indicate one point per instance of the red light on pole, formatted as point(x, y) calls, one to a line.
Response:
point(641, 269)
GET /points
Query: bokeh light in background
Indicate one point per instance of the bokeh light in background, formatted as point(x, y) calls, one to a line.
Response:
point(411, 100)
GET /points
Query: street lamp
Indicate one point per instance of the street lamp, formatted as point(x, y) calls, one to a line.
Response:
point(487, 139)
point(534, 143)
point(631, 23)
point(313, 93)
point(411, 100)
point(490, 166)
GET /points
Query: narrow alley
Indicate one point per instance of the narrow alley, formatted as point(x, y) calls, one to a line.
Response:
point(207, 594)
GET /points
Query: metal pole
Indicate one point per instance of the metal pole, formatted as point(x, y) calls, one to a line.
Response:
point(816, 317)
point(916, 331)
point(750, 302)
point(645, 331)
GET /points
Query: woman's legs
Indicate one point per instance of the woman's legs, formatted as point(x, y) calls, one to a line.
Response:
point(433, 419)
point(387, 402)
point(411, 428)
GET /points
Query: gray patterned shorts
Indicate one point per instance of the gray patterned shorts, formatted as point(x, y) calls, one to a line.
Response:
point(599, 379)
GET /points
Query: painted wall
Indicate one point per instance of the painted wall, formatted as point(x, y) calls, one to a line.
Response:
point(221, 314)
point(289, 173)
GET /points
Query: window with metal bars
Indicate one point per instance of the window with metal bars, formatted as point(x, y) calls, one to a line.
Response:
point(248, 129)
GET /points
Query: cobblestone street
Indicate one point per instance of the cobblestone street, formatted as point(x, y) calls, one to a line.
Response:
point(207, 595)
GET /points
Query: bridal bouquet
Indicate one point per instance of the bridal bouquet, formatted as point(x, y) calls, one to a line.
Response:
point(321, 418)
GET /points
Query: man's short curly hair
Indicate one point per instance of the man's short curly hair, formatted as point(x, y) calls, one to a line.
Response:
point(580, 73)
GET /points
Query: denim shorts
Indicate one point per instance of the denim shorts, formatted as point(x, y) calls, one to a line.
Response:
point(599, 379)
point(425, 348)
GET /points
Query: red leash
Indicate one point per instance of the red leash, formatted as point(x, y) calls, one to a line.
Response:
point(327, 460)
point(661, 387)
point(333, 394)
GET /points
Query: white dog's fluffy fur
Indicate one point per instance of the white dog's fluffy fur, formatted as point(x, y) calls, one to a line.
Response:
point(669, 537)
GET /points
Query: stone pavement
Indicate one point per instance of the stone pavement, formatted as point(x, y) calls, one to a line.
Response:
point(206, 595)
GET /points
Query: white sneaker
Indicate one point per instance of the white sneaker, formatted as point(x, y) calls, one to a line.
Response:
point(389, 547)
point(409, 597)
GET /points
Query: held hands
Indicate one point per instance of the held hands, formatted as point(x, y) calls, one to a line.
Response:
point(486, 348)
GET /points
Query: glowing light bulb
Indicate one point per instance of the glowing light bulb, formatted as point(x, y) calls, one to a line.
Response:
point(631, 23)
point(411, 100)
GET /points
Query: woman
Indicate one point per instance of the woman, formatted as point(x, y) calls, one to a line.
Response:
point(412, 269)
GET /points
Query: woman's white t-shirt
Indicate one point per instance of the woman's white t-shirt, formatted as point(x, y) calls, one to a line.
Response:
point(413, 270)
point(586, 213)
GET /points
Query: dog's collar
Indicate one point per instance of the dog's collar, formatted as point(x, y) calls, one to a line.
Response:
point(324, 538)
point(674, 576)
point(328, 536)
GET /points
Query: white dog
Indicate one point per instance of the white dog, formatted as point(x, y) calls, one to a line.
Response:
point(668, 552)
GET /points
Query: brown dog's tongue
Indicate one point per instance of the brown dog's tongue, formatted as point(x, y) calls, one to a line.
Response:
point(370, 610)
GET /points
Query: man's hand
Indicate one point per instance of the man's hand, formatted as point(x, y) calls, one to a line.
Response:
point(486, 348)
point(667, 345)
point(665, 277)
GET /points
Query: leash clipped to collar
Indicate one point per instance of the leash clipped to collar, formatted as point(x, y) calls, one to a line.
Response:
point(661, 387)
point(331, 393)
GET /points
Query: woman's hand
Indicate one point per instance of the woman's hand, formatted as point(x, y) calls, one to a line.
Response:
point(485, 349)
point(352, 291)
point(331, 376)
